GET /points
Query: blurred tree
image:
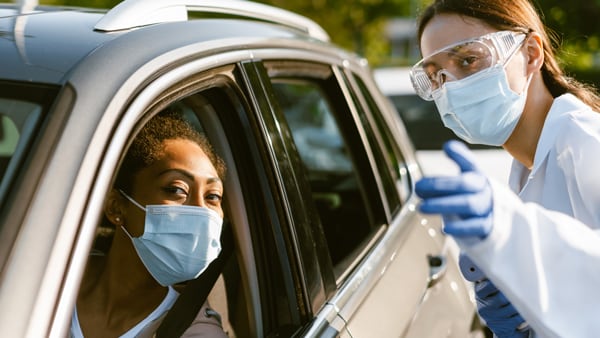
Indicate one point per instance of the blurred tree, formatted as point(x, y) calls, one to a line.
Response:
point(359, 25)
point(577, 28)
point(83, 3)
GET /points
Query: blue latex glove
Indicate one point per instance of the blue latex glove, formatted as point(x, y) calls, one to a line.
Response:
point(464, 201)
point(499, 314)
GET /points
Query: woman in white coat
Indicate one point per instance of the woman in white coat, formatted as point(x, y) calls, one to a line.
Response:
point(490, 67)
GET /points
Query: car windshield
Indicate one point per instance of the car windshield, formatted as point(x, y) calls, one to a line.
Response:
point(21, 108)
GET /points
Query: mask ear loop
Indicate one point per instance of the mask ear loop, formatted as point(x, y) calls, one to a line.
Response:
point(131, 200)
point(126, 233)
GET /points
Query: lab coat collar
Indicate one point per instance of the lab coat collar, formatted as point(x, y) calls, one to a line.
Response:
point(562, 105)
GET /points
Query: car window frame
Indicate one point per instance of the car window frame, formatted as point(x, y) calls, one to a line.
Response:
point(269, 158)
point(397, 173)
point(121, 125)
point(261, 317)
point(375, 194)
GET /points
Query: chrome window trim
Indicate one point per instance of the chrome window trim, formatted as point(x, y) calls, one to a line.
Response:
point(335, 63)
point(339, 74)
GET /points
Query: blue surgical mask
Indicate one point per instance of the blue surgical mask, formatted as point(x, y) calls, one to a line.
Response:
point(481, 109)
point(179, 241)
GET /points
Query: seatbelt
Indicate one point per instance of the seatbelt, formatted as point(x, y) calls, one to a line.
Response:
point(193, 296)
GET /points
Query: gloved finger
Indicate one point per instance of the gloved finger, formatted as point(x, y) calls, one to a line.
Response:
point(466, 205)
point(507, 315)
point(497, 311)
point(496, 302)
point(450, 185)
point(461, 154)
point(472, 227)
point(485, 288)
point(489, 298)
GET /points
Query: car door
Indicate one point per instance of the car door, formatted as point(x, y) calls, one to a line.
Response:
point(388, 261)
point(446, 307)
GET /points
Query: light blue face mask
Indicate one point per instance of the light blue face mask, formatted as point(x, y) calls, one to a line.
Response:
point(481, 108)
point(179, 241)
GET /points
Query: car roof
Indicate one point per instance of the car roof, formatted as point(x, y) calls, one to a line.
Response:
point(41, 52)
point(43, 43)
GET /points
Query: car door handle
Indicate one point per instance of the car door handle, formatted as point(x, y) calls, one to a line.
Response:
point(437, 268)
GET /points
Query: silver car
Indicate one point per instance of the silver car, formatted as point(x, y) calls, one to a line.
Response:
point(327, 238)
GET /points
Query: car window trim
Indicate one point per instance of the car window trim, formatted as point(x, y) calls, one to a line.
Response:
point(290, 68)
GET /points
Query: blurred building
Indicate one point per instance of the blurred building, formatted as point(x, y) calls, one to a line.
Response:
point(401, 33)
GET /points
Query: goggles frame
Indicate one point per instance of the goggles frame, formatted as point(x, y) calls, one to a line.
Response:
point(502, 45)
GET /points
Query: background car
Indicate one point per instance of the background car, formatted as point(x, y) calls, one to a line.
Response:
point(319, 194)
point(427, 131)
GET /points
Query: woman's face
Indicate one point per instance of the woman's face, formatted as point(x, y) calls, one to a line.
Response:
point(182, 175)
point(446, 29)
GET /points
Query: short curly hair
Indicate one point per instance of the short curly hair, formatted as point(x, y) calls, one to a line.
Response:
point(147, 146)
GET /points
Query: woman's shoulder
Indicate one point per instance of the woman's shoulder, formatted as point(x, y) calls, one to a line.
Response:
point(577, 122)
point(577, 142)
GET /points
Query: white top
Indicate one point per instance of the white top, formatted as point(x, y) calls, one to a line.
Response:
point(545, 254)
point(145, 328)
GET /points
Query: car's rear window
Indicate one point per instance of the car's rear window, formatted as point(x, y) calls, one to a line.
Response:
point(21, 108)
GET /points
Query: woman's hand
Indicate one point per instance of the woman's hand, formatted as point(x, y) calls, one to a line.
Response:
point(463, 201)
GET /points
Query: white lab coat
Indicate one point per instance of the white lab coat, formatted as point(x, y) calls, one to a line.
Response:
point(544, 254)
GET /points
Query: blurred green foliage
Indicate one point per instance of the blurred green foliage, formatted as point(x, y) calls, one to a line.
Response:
point(577, 28)
point(83, 3)
point(359, 25)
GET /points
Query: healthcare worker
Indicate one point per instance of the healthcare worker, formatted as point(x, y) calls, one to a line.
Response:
point(490, 68)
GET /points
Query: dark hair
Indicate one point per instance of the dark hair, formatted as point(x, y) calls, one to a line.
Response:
point(522, 16)
point(147, 146)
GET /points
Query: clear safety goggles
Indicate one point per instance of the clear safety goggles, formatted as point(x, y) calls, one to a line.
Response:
point(463, 59)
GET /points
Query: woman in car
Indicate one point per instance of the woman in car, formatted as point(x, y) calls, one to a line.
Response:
point(165, 208)
point(491, 69)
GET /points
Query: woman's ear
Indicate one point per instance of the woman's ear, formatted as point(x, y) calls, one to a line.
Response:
point(535, 52)
point(114, 209)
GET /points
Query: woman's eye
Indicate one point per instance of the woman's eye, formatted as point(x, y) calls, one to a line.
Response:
point(469, 64)
point(214, 198)
point(176, 190)
point(468, 61)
